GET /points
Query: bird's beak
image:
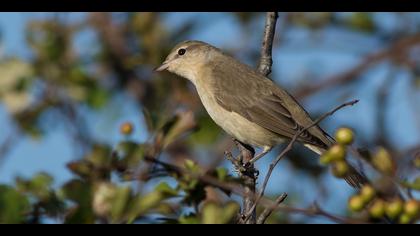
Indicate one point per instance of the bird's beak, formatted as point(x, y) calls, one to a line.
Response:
point(162, 67)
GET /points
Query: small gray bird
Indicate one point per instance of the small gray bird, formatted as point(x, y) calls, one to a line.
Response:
point(247, 105)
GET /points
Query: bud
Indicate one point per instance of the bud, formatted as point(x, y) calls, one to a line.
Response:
point(377, 209)
point(367, 193)
point(126, 128)
point(411, 208)
point(344, 136)
point(394, 208)
point(356, 203)
point(340, 169)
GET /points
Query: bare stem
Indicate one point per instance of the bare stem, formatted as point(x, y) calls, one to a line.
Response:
point(269, 210)
point(249, 176)
point(266, 59)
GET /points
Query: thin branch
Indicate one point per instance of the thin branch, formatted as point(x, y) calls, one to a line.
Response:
point(396, 50)
point(288, 148)
point(240, 190)
point(249, 176)
point(6, 146)
point(268, 211)
point(266, 60)
point(315, 210)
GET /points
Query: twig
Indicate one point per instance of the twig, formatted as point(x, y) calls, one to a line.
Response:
point(268, 211)
point(266, 60)
point(396, 50)
point(7, 145)
point(315, 210)
point(249, 176)
point(239, 190)
point(289, 147)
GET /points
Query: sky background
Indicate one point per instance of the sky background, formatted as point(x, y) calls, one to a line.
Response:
point(326, 54)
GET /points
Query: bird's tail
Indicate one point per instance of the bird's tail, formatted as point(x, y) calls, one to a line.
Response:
point(355, 178)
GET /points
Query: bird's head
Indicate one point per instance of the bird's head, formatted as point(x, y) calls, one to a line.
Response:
point(187, 57)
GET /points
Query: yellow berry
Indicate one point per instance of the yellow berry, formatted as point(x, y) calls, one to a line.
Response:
point(126, 128)
point(367, 193)
point(416, 161)
point(356, 203)
point(340, 169)
point(412, 208)
point(377, 209)
point(344, 136)
point(337, 152)
point(394, 208)
point(382, 161)
point(404, 218)
point(325, 158)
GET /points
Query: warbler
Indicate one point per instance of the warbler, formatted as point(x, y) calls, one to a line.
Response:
point(246, 104)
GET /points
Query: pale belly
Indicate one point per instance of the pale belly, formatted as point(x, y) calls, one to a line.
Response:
point(238, 126)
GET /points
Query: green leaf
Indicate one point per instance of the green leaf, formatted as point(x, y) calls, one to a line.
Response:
point(97, 97)
point(140, 205)
point(189, 220)
point(100, 156)
point(13, 206)
point(130, 154)
point(80, 192)
point(207, 133)
point(119, 203)
point(217, 214)
point(166, 190)
point(222, 173)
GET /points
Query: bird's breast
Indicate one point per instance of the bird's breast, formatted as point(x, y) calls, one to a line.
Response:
point(235, 124)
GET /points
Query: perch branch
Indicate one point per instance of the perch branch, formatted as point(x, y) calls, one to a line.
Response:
point(249, 176)
point(240, 191)
point(266, 59)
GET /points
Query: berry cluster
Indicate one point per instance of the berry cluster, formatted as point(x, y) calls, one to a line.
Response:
point(336, 154)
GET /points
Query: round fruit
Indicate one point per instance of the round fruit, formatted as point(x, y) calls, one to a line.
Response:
point(394, 208)
point(326, 158)
point(340, 169)
point(367, 193)
point(344, 136)
point(377, 210)
point(404, 219)
point(337, 152)
point(356, 203)
point(412, 208)
point(126, 128)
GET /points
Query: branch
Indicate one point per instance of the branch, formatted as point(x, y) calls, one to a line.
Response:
point(395, 51)
point(5, 147)
point(240, 190)
point(249, 176)
point(289, 147)
point(315, 210)
point(266, 61)
point(268, 211)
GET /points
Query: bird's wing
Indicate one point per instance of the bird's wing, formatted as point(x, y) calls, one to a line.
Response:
point(260, 101)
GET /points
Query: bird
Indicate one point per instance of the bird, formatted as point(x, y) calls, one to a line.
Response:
point(246, 104)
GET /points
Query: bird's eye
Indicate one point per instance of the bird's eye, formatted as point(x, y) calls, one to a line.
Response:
point(181, 51)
